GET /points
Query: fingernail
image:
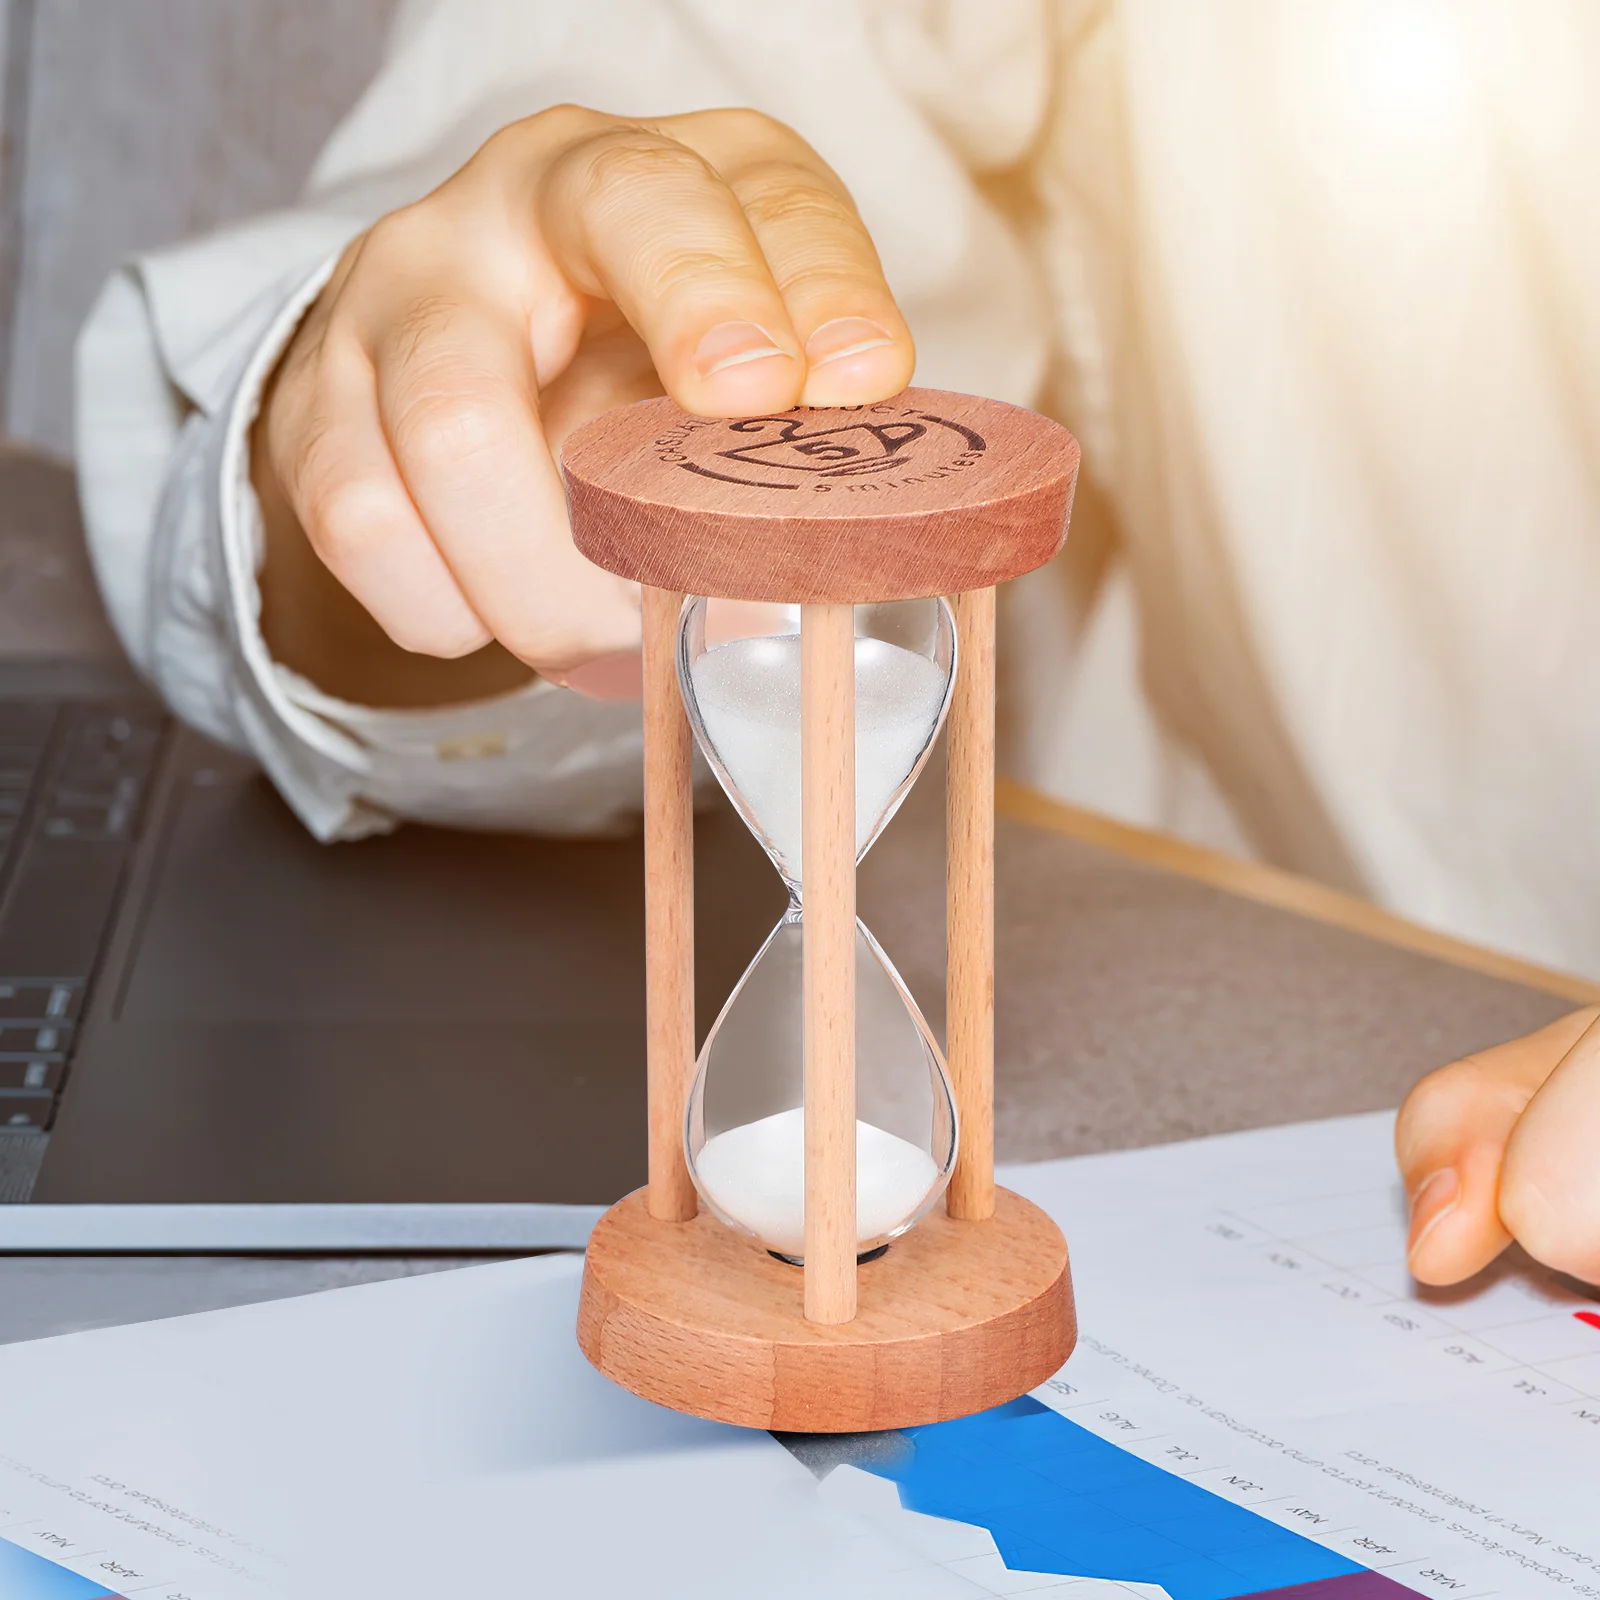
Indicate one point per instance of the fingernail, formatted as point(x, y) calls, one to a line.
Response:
point(845, 336)
point(617, 676)
point(1432, 1203)
point(731, 344)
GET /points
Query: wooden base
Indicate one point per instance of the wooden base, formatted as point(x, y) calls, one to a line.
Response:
point(955, 1317)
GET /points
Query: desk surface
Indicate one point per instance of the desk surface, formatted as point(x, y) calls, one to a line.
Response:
point(1136, 1003)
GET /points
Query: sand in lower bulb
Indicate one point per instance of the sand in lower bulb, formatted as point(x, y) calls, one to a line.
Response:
point(755, 1176)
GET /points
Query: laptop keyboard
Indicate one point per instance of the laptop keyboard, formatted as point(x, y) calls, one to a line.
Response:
point(73, 781)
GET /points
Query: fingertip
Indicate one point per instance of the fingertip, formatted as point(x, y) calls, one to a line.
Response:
point(726, 346)
point(1455, 1228)
point(749, 389)
point(736, 369)
point(446, 627)
point(618, 675)
point(855, 361)
point(465, 642)
point(858, 380)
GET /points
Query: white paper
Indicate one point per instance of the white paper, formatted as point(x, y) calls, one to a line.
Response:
point(434, 1436)
point(1246, 1321)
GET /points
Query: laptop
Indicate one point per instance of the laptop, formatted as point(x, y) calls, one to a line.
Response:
point(218, 1035)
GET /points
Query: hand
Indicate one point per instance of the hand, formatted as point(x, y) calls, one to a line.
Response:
point(577, 262)
point(1506, 1145)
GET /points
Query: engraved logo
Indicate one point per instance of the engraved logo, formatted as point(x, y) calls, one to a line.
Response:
point(886, 444)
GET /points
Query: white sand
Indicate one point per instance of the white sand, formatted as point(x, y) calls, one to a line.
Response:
point(757, 1176)
point(748, 695)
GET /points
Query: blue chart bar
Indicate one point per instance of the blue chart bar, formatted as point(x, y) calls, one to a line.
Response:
point(1058, 1498)
point(25, 1576)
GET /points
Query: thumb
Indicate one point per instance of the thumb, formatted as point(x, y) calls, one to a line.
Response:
point(1451, 1140)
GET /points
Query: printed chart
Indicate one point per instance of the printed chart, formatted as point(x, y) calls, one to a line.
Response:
point(1058, 1499)
point(1264, 1403)
point(27, 1576)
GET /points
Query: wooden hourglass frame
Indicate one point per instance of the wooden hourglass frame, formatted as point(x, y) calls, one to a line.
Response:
point(927, 494)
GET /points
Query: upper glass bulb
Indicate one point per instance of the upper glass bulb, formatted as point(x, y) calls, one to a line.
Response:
point(742, 689)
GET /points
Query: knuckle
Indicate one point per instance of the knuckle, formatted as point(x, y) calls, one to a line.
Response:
point(441, 431)
point(779, 194)
point(425, 320)
point(557, 124)
point(347, 521)
point(633, 155)
point(322, 350)
point(566, 117)
point(299, 364)
point(301, 456)
point(518, 147)
point(754, 131)
point(1438, 1111)
point(305, 428)
point(391, 238)
point(1441, 1091)
point(320, 361)
point(683, 266)
point(431, 635)
point(1443, 1083)
point(505, 149)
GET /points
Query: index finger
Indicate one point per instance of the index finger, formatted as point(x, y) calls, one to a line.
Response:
point(637, 217)
point(857, 344)
point(459, 403)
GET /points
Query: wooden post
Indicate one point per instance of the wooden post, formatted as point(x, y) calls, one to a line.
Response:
point(828, 899)
point(970, 885)
point(668, 907)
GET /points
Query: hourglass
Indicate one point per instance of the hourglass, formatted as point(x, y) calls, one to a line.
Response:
point(788, 1264)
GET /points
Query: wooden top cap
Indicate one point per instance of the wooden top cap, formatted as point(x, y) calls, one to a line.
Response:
point(928, 493)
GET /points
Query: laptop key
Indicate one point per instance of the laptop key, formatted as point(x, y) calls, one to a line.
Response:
point(43, 1000)
point(73, 780)
point(31, 1072)
point(26, 724)
point(34, 1036)
point(26, 1108)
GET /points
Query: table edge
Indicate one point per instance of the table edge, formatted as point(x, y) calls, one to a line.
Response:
point(1254, 880)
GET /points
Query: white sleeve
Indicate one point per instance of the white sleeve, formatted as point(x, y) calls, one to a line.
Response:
point(161, 366)
point(171, 366)
point(172, 360)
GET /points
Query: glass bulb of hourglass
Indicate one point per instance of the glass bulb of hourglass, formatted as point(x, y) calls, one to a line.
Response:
point(746, 1123)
